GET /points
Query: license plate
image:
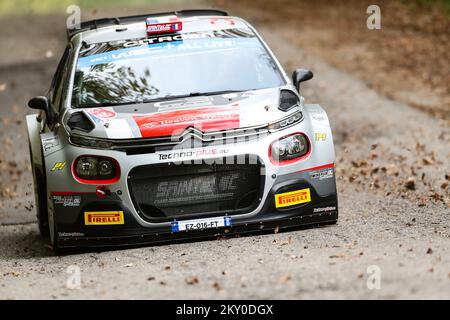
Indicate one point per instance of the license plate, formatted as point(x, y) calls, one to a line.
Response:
point(200, 224)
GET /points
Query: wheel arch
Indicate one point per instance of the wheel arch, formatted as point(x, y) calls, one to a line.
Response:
point(34, 139)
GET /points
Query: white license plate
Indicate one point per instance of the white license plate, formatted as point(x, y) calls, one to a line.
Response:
point(200, 224)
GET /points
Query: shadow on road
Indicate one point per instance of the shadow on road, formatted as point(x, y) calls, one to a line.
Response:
point(23, 242)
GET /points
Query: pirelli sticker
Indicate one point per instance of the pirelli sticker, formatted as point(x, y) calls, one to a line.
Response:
point(292, 198)
point(103, 218)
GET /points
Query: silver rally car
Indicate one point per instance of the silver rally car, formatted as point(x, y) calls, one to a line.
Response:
point(174, 126)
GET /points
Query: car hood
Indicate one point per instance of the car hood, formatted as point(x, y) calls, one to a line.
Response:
point(168, 118)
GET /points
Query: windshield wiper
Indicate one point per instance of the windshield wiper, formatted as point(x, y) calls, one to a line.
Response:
point(214, 93)
point(165, 98)
point(192, 94)
point(106, 104)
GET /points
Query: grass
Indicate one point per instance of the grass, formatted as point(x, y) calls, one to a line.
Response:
point(441, 4)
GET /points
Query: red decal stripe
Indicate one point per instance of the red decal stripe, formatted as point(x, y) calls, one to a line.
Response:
point(70, 193)
point(175, 122)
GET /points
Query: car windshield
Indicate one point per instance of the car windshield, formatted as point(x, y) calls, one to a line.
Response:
point(169, 66)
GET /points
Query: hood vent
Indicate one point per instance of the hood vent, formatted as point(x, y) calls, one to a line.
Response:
point(288, 100)
point(80, 121)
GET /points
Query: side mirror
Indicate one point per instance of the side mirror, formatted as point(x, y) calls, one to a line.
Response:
point(41, 103)
point(301, 75)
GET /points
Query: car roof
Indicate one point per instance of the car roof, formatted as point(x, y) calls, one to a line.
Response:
point(134, 27)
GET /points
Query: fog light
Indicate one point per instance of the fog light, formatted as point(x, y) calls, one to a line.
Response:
point(105, 168)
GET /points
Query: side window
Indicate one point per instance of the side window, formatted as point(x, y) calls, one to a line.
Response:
point(57, 85)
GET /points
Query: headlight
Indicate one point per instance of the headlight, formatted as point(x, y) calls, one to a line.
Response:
point(291, 119)
point(96, 170)
point(289, 148)
point(91, 142)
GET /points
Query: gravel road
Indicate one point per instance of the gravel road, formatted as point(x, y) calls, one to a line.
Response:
point(394, 221)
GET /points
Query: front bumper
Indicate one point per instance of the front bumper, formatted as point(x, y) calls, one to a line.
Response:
point(322, 208)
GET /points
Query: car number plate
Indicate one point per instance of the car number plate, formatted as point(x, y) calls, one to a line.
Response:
point(200, 224)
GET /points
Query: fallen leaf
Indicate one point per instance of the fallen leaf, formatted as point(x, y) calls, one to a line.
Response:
point(192, 280)
point(337, 255)
point(410, 184)
point(217, 286)
point(427, 161)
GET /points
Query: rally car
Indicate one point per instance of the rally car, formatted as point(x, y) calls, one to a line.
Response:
point(176, 125)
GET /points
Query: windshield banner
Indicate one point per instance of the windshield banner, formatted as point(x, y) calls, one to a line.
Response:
point(165, 49)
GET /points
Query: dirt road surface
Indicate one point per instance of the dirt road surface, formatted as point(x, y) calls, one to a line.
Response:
point(392, 170)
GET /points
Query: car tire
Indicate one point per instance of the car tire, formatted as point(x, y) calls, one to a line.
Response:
point(40, 193)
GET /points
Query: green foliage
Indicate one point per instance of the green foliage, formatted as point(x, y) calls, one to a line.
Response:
point(444, 5)
point(52, 6)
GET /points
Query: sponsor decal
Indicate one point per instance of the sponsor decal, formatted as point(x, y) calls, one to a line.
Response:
point(70, 234)
point(174, 122)
point(210, 187)
point(67, 200)
point(50, 143)
point(102, 113)
point(103, 218)
point(324, 209)
point(169, 38)
point(317, 114)
point(163, 27)
point(319, 117)
point(320, 136)
point(292, 198)
point(141, 51)
point(191, 153)
point(322, 174)
point(58, 166)
point(163, 24)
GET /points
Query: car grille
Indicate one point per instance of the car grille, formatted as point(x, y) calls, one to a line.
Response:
point(164, 192)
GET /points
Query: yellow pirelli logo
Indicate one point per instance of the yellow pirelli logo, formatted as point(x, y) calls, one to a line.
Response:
point(292, 198)
point(100, 218)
